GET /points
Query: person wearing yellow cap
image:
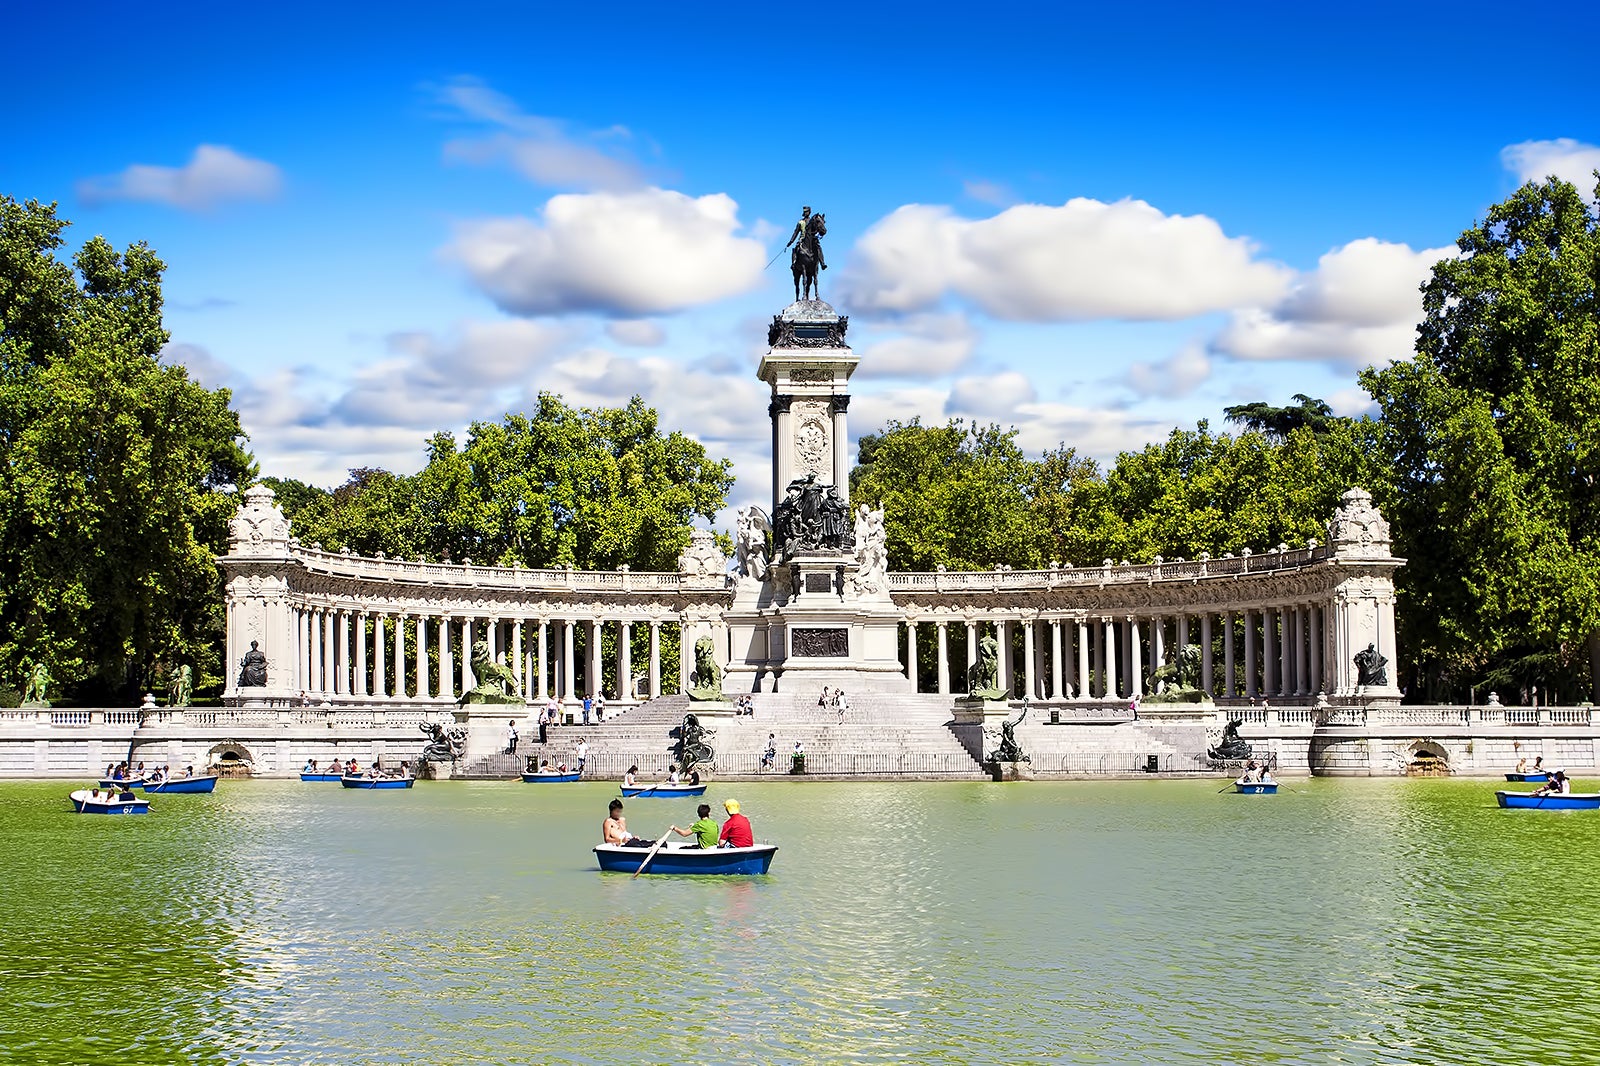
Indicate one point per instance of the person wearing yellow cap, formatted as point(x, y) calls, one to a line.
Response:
point(736, 830)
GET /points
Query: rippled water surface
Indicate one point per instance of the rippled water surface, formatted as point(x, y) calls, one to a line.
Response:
point(1126, 922)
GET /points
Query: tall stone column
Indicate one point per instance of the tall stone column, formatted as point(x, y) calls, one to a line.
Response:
point(305, 684)
point(518, 665)
point(1207, 673)
point(625, 658)
point(1305, 684)
point(595, 682)
point(1056, 673)
point(1269, 653)
point(1250, 688)
point(1002, 633)
point(1158, 647)
point(360, 685)
point(1135, 655)
point(838, 404)
point(327, 651)
point(447, 666)
point(1083, 659)
point(972, 652)
point(400, 656)
point(380, 640)
point(1112, 689)
point(341, 641)
point(1286, 653)
point(655, 659)
point(424, 682)
point(542, 653)
point(1227, 655)
point(1030, 663)
point(911, 653)
point(1319, 684)
point(944, 658)
point(469, 680)
point(569, 660)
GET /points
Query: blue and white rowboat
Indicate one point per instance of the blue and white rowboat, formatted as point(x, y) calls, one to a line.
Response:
point(122, 782)
point(208, 783)
point(662, 791)
point(117, 803)
point(687, 858)
point(551, 778)
point(1529, 775)
point(1256, 788)
point(305, 776)
point(1556, 801)
point(361, 781)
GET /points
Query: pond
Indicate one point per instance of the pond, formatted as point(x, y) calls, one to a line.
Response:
point(1353, 921)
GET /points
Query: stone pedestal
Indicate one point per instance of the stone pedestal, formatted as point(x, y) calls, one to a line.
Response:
point(435, 771)
point(1010, 771)
point(712, 708)
point(971, 718)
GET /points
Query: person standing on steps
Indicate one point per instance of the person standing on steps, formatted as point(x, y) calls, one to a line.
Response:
point(583, 754)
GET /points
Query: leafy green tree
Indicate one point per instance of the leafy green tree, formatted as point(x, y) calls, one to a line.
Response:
point(593, 488)
point(1279, 422)
point(953, 495)
point(1493, 434)
point(118, 474)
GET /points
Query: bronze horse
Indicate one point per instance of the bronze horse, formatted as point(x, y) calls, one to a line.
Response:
point(803, 262)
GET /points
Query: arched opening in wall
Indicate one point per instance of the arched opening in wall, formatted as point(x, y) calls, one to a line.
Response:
point(1427, 759)
point(231, 759)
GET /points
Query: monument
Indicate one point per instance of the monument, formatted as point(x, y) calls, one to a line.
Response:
point(811, 604)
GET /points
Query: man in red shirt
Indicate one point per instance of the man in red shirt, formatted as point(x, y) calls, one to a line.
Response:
point(736, 830)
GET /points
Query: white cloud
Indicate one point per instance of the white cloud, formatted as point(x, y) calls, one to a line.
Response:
point(922, 346)
point(544, 150)
point(1186, 370)
point(1568, 159)
point(203, 367)
point(996, 398)
point(214, 175)
point(1082, 260)
point(637, 333)
point(988, 192)
point(1352, 403)
point(1360, 307)
point(626, 254)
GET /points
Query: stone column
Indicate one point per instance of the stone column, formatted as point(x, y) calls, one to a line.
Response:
point(303, 620)
point(341, 641)
point(972, 652)
point(1250, 688)
point(595, 682)
point(838, 405)
point(360, 685)
point(655, 659)
point(469, 681)
point(1227, 655)
point(1158, 647)
point(1302, 651)
point(569, 660)
point(424, 686)
point(1109, 651)
point(1135, 655)
point(1056, 674)
point(1269, 653)
point(624, 659)
point(543, 654)
point(1318, 682)
point(1083, 658)
point(1183, 634)
point(1002, 634)
point(944, 658)
point(327, 651)
point(1030, 664)
point(1207, 674)
point(782, 456)
point(1286, 654)
point(447, 665)
point(519, 668)
point(400, 656)
point(911, 654)
point(380, 639)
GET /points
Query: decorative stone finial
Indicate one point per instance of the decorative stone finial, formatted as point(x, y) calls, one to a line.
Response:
point(259, 527)
point(1357, 530)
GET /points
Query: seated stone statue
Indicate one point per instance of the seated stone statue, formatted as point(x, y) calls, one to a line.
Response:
point(1009, 750)
point(253, 667)
point(1233, 745)
point(1372, 668)
point(496, 682)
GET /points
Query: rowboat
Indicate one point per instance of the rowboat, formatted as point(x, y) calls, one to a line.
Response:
point(122, 782)
point(551, 778)
point(685, 858)
point(1256, 788)
point(1556, 801)
point(207, 783)
point(321, 777)
point(362, 781)
point(1516, 775)
point(124, 802)
point(663, 791)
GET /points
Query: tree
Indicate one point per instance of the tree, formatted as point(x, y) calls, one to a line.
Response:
point(1279, 422)
point(1493, 435)
point(954, 495)
point(118, 474)
point(592, 488)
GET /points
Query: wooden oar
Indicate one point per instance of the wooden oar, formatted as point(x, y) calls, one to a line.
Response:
point(652, 854)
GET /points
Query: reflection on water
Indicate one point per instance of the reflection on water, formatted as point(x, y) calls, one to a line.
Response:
point(1151, 922)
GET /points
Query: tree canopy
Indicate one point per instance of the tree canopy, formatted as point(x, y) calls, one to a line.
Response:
point(1278, 422)
point(118, 474)
point(1492, 437)
point(593, 488)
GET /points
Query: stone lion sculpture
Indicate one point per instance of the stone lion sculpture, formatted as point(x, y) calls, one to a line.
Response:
point(496, 682)
point(984, 679)
point(706, 681)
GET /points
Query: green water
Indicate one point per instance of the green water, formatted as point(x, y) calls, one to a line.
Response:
point(1127, 922)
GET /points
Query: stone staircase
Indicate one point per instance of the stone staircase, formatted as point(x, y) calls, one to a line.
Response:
point(880, 735)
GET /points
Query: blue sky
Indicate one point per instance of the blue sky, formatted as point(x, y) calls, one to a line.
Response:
point(1091, 223)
